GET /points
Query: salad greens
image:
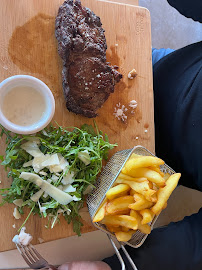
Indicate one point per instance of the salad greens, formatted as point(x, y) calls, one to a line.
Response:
point(79, 151)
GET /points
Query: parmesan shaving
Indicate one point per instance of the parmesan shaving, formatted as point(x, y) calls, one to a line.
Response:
point(32, 148)
point(16, 213)
point(45, 195)
point(69, 188)
point(37, 163)
point(18, 202)
point(55, 193)
point(43, 173)
point(76, 198)
point(84, 156)
point(49, 181)
point(63, 164)
point(37, 195)
point(68, 178)
point(60, 187)
point(42, 209)
point(51, 160)
point(28, 164)
point(54, 178)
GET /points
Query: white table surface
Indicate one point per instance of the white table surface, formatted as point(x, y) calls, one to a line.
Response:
point(90, 246)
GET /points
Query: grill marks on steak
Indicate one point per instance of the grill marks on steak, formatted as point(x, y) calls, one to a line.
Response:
point(88, 79)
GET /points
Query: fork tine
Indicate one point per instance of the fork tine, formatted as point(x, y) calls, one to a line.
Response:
point(31, 253)
point(35, 251)
point(27, 253)
point(23, 255)
point(26, 260)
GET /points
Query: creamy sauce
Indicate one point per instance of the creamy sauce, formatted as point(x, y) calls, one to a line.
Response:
point(23, 106)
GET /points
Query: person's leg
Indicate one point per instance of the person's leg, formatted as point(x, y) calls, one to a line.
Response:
point(178, 124)
point(175, 247)
point(178, 112)
point(157, 54)
point(84, 265)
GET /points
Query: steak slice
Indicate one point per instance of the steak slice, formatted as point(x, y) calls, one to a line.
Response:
point(88, 79)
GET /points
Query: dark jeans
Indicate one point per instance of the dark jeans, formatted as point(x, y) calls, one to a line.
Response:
point(178, 128)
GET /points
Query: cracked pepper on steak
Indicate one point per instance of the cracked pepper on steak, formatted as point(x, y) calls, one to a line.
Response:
point(88, 79)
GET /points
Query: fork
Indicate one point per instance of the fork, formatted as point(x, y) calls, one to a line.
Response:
point(33, 258)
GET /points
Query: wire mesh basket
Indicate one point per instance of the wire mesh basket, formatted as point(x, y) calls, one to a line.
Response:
point(105, 182)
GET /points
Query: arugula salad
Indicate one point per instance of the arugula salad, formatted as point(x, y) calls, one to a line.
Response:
point(53, 170)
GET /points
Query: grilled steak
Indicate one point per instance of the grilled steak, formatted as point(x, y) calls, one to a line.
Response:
point(88, 79)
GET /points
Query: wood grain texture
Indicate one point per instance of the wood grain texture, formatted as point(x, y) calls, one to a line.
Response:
point(28, 46)
point(128, 2)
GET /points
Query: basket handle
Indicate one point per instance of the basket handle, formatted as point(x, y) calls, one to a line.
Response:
point(123, 267)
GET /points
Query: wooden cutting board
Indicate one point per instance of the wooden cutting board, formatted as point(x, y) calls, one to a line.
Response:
point(28, 46)
point(129, 2)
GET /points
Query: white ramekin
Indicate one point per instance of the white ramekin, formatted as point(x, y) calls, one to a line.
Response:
point(25, 80)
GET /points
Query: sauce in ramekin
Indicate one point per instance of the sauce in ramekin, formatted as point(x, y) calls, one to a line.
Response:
point(23, 105)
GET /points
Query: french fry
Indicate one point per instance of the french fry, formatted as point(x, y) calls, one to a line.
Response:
point(124, 236)
point(139, 193)
point(117, 191)
point(147, 216)
point(155, 187)
point(142, 188)
point(132, 192)
point(139, 197)
point(150, 184)
point(141, 162)
point(156, 169)
point(129, 178)
point(124, 229)
point(149, 174)
point(119, 204)
point(101, 212)
point(121, 220)
point(143, 228)
point(153, 198)
point(166, 176)
point(163, 194)
point(164, 207)
point(140, 203)
point(114, 228)
point(122, 212)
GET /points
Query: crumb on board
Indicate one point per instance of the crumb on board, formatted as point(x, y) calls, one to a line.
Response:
point(132, 74)
point(133, 104)
point(41, 240)
point(119, 112)
point(137, 138)
point(146, 131)
point(13, 226)
point(116, 45)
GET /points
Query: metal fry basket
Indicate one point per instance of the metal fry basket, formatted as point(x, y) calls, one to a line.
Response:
point(105, 182)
